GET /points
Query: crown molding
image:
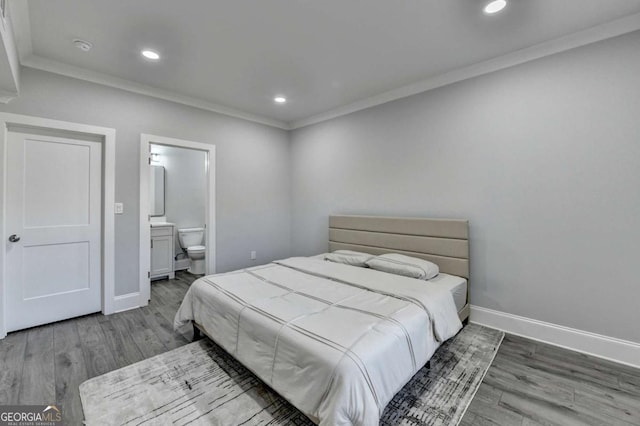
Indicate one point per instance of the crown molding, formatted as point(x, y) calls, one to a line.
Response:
point(591, 35)
point(22, 30)
point(45, 64)
point(6, 96)
point(594, 34)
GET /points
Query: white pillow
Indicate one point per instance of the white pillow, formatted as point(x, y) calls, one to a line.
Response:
point(407, 266)
point(348, 257)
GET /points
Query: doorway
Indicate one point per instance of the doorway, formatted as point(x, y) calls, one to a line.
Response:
point(177, 198)
point(57, 260)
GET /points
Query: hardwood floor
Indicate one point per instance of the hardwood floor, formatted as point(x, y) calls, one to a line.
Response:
point(528, 384)
point(47, 364)
point(531, 383)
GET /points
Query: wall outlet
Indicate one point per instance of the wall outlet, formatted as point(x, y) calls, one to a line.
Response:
point(253, 255)
point(119, 208)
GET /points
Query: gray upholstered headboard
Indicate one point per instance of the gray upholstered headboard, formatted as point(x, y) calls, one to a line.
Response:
point(444, 242)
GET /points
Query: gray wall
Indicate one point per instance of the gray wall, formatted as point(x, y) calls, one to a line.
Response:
point(185, 188)
point(252, 170)
point(542, 158)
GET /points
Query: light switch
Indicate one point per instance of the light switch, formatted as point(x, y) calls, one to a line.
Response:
point(119, 208)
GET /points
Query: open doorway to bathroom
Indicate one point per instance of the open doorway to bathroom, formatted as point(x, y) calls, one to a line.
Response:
point(177, 209)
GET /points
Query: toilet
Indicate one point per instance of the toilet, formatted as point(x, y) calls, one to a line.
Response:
point(191, 240)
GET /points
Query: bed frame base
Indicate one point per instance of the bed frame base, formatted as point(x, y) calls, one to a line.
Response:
point(197, 333)
point(464, 313)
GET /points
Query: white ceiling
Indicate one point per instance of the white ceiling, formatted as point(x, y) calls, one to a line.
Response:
point(322, 55)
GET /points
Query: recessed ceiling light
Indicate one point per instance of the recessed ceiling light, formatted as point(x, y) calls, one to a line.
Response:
point(150, 54)
point(83, 45)
point(280, 99)
point(495, 6)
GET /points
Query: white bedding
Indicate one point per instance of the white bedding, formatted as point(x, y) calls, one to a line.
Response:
point(456, 285)
point(337, 341)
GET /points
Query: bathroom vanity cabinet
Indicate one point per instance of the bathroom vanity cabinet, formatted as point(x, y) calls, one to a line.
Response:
point(162, 243)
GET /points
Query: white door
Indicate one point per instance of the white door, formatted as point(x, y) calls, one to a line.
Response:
point(53, 262)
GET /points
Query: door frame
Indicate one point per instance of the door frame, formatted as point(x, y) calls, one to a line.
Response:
point(107, 137)
point(210, 206)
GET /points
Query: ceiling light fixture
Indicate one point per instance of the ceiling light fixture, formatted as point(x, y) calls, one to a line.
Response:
point(280, 99)
point(83, 45)
point(495, 6)
point(150, 54)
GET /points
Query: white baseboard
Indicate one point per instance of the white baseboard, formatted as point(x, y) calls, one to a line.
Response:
point(610, 348)
point(126, 302)
point(181, 264)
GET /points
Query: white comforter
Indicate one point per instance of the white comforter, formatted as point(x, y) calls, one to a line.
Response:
point(336, 341)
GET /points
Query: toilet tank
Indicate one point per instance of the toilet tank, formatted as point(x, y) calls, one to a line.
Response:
point(190, 237)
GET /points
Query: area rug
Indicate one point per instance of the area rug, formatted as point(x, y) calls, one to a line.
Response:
point(200, 384)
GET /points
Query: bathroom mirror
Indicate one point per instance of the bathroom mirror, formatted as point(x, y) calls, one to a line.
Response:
point(156, 191)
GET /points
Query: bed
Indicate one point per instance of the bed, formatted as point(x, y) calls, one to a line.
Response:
point(444, 242)
point(339, 341)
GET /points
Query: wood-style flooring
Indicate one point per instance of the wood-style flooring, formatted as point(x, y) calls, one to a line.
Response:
point(46, 364)
point(532, 383)
point(529, 383)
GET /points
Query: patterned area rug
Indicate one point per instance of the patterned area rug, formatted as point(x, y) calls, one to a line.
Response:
point(200, 384)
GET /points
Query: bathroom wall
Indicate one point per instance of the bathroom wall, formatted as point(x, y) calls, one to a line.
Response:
point(184, 189)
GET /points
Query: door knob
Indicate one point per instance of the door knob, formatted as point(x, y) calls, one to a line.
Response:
point(14, 238)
